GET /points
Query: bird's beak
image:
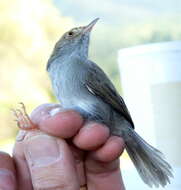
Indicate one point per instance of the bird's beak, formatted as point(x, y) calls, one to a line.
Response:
point(89, 27)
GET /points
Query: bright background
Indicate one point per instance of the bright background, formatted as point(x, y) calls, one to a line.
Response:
point(30, 28)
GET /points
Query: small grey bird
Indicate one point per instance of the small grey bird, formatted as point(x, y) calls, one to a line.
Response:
point(79, 84)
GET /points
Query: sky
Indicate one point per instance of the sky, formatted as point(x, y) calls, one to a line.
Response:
point(118, 11)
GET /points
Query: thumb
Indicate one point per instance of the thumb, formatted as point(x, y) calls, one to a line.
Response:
point(50, 162)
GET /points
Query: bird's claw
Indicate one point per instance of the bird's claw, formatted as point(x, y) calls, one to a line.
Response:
point(22, 118)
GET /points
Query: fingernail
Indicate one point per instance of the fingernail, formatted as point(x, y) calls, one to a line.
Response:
point(55, 111)
point(52, 112)
point(41, 150)
point(44, 111)
point(7, 180)
point(91, 125)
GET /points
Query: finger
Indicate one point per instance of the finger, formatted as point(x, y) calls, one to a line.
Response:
point(91, 136)
point(110, 151)
point(7, 172)
point(22, 170)
point(50, 162)
point(104, 175)
point(53, 119)
point(102, 166)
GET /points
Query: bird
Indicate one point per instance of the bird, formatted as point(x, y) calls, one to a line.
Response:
point(81, 85)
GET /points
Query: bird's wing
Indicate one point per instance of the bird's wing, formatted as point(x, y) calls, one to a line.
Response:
point(99, 84)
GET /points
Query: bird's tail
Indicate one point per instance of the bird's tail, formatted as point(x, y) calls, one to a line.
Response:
point(149, 162)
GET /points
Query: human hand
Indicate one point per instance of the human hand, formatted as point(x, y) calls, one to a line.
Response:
point(65, 154)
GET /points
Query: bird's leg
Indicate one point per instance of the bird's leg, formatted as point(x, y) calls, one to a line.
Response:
point(22, 118)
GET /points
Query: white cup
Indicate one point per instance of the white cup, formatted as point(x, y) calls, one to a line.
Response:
point(151, 82)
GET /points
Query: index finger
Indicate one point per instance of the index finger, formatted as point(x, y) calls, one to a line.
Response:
point(54, 120)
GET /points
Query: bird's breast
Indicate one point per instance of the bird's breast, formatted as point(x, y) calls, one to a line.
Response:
point(70, 89)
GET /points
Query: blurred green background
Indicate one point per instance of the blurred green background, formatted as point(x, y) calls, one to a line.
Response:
point(30, 28)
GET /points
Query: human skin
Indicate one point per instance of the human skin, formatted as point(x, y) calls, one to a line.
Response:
point(64, 152)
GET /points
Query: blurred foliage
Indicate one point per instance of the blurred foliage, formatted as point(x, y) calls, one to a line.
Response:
point(28, 31)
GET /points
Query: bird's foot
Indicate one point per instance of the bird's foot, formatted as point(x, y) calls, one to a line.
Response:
point(22, 118)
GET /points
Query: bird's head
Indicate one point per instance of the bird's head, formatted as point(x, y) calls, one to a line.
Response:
point(75, 41)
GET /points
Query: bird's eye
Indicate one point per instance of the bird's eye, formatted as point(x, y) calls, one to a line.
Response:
point(71, 33)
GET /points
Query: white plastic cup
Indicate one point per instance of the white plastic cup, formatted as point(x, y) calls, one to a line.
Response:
point(151, 82)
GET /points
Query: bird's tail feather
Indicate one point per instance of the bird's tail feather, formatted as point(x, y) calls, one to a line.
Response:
point(149, 162)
